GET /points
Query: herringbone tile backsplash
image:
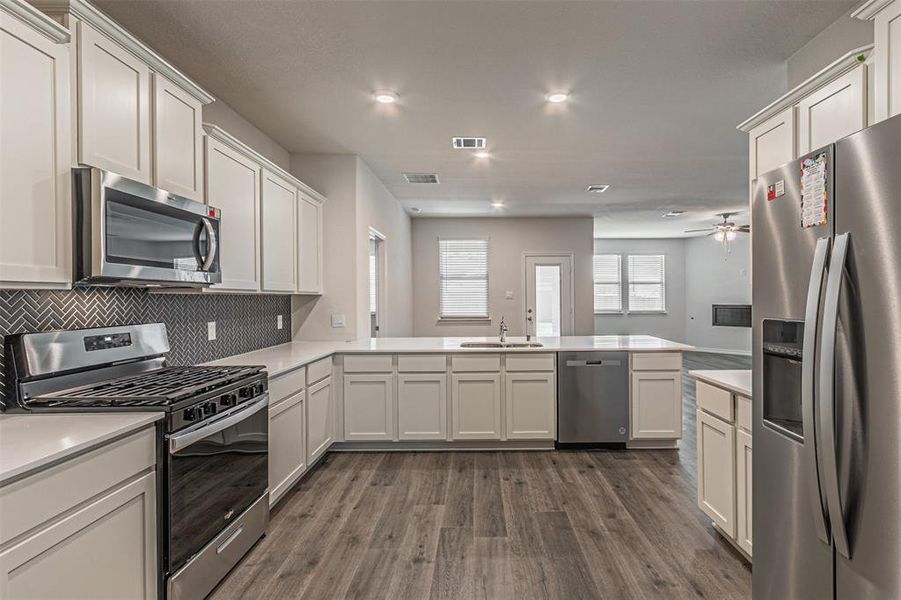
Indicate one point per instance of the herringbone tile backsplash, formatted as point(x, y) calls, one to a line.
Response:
point(243, 322)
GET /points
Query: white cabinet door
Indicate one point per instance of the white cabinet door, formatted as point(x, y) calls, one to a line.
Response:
point(887, 86)
point(309, 245)
point(656, 405)
point(368, 407)
point(716, 471)
point(772, 143)
point(116, 532)
point(279, 207)
point(113, 106)
point(233, 185)
point(834, 111)
point(35, 242)
point(476, 399)
point(531, 406)
point(320, 419)
point(177, 140)
point(743, 471)
point(422, 406)
point(287, 447)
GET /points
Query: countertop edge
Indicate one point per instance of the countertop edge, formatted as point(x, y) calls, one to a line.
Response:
point(44, 462)
point(710, 376)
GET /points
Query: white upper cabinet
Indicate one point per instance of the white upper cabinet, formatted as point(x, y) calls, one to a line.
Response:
point(309, 244)
point(772, 143)
point(279, 211)
point(886, 69)
point(834, 111)
point(113, 106)
point(233, 185)
point(34, 150)
point(177, 140)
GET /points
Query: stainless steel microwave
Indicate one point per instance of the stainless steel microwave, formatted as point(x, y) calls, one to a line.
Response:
point(129, 233)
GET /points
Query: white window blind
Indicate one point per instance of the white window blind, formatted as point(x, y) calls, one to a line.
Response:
point(463, 266)
point(608, 284)
point(647, 283)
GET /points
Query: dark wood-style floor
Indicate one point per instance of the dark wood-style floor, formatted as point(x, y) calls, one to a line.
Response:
point(493, 525)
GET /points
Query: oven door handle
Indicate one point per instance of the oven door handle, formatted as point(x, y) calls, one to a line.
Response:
point(182, 440)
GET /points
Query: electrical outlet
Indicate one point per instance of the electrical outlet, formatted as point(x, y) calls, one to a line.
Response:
point(508, 295)
point(278, 322)
point(211, 330)
point(338, 321)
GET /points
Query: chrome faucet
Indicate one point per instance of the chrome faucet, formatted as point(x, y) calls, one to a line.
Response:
point(503, 330)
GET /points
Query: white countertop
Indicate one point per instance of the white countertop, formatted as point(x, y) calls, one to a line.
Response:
point(285, 357)
point(29, 442)
point(738, 380)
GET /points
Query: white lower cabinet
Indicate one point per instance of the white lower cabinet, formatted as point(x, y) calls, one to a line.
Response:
point(656, 405)
point(476, 407)
point(531, 406)
point(287, 447)
point(369, 407)
point(716, 471)
point(320, 419)
point(422, 406)
point(743, 488)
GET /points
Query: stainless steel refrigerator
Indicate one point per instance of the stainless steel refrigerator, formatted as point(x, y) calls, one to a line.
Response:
point(827, 372)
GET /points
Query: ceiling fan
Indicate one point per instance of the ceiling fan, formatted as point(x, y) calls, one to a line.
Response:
point(725, 231)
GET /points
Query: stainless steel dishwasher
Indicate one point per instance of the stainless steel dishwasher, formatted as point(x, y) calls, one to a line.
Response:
point(592, 399)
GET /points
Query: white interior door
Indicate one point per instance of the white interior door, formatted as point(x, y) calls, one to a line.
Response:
point(549, 295)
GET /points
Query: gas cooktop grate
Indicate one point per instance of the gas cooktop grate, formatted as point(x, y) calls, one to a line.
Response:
point(156, 388)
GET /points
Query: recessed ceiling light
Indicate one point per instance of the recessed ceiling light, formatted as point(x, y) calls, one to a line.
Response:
point(385, 96)
point(597, 188)
point(674, 213)
point(482, 154)
point(557, 97)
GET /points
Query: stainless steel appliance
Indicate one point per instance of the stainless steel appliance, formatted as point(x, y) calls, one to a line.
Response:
point(592, 399)
point(212, 468)
point(827, 372)
point(127, 232)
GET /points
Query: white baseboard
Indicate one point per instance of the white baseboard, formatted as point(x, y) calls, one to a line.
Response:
point(723, 351)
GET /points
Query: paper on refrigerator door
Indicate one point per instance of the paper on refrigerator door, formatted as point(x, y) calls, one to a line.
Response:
point(814, 193)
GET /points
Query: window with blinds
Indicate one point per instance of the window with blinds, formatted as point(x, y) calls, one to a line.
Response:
point(463, 278)
point(608, 284)
point(647, 283)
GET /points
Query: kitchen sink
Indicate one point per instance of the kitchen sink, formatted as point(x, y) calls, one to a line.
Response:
point(501, 345)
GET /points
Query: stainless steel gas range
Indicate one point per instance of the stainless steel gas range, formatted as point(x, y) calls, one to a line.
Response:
point(212, 464)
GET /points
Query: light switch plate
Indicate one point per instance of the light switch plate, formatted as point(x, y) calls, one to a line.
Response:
point(338, 320)
point(508, 295)
point(211, 330)
point(278, 322)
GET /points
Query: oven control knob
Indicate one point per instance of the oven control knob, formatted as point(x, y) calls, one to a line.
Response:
point(258, 389)
point(209, 408)
point(190, 414)
point(227, 400)
point(246, 392)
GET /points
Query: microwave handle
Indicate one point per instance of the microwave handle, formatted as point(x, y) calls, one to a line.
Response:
point(212, 250)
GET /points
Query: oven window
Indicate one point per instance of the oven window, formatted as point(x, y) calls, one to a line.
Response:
point(142, 233)
point(212, 481)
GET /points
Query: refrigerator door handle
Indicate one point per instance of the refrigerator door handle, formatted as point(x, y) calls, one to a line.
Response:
point(827, 394)
point(808, 384)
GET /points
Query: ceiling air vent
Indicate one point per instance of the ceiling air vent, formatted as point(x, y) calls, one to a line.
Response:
point(469, 143)
point(421, 177)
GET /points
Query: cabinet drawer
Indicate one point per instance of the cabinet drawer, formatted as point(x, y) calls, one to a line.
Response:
point(368, 363)
point(657, 361)
point(475, 362)
point(319, 370)
point(743, 412)
point(286, 385)
point(421, 363)
point(31, 501)
point(530, 362)
point(716, 401)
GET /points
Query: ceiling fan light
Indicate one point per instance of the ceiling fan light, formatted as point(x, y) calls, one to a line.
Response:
point(719, 236)
point(730, 235)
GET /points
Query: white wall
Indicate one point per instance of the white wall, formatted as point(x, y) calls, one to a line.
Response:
point(842, 36)
point(357, 200)
point(508, 238)
point(379, 209)
point(716, 277)
point(670, 325)
point(222, 115)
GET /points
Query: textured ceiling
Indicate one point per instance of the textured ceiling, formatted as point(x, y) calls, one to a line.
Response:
point(657, 88)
